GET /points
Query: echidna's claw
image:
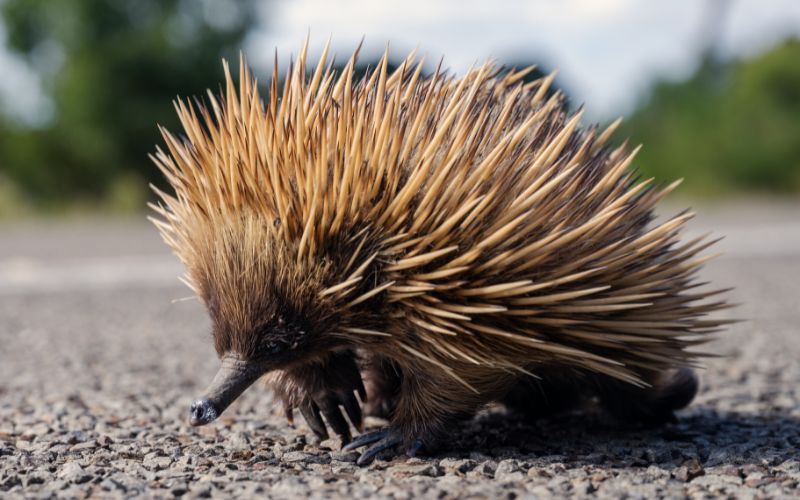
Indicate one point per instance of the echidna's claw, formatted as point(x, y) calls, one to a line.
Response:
point(333, 414)
point(329, 391)
point(328, 406)
point(365, 439)
point(311, 414)
point(353, 409)
point(380, 440)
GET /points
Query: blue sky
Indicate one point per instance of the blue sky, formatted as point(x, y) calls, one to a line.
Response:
point(608, 52)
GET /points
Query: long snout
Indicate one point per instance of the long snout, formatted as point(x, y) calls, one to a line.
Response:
point(234, 376)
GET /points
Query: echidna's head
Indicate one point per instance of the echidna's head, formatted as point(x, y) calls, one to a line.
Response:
point(264, 304)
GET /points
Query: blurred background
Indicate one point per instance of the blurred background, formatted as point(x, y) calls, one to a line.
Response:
point(711, 88)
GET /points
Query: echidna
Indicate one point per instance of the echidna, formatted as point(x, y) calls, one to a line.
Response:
point(456, 241)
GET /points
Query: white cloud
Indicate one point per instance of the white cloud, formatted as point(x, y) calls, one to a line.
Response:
point(21, 93)
point(608, 51)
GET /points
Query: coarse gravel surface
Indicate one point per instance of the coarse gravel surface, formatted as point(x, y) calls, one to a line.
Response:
point(98, 365)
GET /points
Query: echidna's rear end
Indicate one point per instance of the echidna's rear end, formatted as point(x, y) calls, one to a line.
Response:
point(454, 241)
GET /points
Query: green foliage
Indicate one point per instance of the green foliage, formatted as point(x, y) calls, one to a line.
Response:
point(112, 68)
point(732, 128)
point(123, 64)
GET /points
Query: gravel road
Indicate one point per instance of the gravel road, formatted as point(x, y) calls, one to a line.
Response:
point(99, 361)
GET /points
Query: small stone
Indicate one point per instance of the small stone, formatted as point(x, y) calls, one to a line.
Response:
point(9, 482)
point(74, 473)
point(261, 457)
point(294, 456)
point(486, 468)
point(460, 465)
point(506, 467)
point(690, 470)
point(340, 469)
point(34, 479)
point(342, 456)
point(110, 484)
point(179, 490)
point(748, 469)
point(731, 470)
point(429, 470)
point(755, 480)
point(88, 445)
point(153, 461)
point(23, 444)
point(582, 486)
point(511, 477)
point(104, 441)
point(537, 473)
point(201, 490)
point(540, 491)
point(714, 483)
point(76, 437)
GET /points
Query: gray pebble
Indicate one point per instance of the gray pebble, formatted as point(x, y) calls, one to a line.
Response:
point(404, 470)
point(74, 473)
point(341, 456)
point(461, 465)
point(294, 456)
point(107, 418)
point(506, 467)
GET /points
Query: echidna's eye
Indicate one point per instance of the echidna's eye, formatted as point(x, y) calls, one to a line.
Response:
point(275, 348)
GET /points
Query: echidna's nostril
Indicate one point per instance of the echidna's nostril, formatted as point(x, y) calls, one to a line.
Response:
point(195, 413)
point(202, 412)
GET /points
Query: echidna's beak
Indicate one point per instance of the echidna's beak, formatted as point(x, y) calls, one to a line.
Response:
point(233, 377)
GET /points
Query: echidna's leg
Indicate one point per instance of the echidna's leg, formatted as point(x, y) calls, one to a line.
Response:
point(670, 390)
point(323, 389)
point(546, 396)
point(428, 402)
point(382, 380)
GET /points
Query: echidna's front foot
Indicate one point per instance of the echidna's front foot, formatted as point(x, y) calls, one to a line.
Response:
point(329, 404)
point(322, 390)
point(378, 441)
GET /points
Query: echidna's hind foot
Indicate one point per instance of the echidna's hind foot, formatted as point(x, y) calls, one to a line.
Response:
point(378, 441)
point(669, 391)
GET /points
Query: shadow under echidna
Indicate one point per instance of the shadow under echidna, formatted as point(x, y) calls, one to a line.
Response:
point(417, 246)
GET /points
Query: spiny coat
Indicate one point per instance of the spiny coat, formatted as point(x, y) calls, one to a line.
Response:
point(465, 235)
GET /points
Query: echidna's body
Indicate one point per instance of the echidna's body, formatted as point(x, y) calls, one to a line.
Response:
point(464, 238)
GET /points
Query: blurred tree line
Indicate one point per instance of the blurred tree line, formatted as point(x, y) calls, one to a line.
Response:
point(120, 64)
point(112, 67)
point(732, 127)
